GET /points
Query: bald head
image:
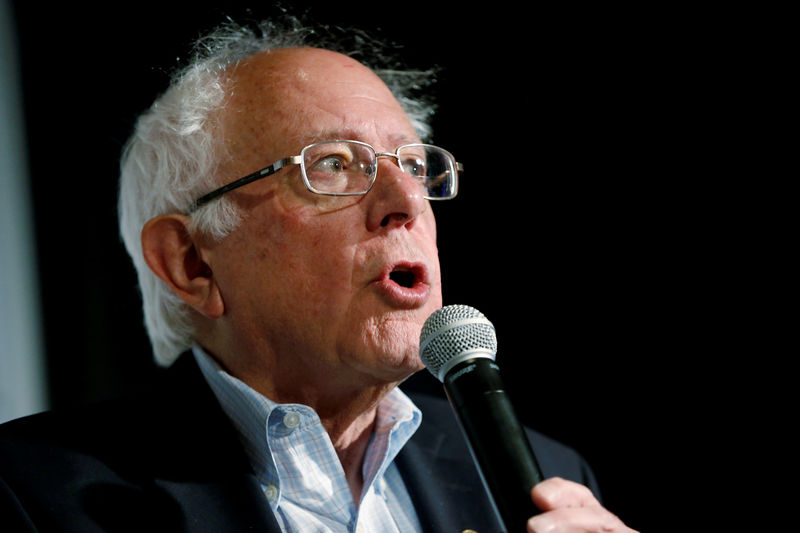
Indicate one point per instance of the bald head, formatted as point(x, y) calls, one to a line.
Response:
point(287, 98)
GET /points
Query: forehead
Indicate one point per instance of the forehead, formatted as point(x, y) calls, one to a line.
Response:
point(291, 97)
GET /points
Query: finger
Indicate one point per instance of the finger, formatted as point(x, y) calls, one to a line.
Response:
point(591, 519)
point(555, 493)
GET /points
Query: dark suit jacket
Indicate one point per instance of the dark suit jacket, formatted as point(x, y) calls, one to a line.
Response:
point(169, 460)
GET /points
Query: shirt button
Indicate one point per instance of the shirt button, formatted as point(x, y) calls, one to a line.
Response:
point(291, 420)
point(271, 492)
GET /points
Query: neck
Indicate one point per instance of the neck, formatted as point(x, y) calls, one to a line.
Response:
point(351, 443)
point(350, 421)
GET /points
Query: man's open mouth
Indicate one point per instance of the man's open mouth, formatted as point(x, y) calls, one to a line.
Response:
point(403, 276)
point(406, 284)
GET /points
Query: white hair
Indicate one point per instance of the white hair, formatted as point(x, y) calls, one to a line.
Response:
point(171, 158)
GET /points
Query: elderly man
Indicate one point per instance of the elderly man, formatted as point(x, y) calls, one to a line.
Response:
point(276, 202)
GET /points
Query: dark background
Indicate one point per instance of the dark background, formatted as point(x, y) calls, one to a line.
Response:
point(573, 231)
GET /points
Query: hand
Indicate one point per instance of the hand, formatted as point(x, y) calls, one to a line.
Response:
point(571, 507)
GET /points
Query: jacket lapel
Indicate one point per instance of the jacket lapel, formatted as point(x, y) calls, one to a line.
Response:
point(441, 477)
point(198, 461)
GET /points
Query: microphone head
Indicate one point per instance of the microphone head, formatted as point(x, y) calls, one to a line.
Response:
point(454, 334)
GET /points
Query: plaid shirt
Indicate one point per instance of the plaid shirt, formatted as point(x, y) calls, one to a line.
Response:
point(298, 468)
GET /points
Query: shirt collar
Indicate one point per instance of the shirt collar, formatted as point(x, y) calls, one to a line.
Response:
point(251, 413)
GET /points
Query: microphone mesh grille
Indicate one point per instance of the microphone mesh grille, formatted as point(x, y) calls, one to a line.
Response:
point(452, 331)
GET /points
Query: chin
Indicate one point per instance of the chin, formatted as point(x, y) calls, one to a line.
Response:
point(394, 368)
point(389, 366)
point(388, 347)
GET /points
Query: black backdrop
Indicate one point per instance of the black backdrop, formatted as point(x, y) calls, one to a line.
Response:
point(569, 232)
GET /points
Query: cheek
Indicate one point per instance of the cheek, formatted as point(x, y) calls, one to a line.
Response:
point(306, 253)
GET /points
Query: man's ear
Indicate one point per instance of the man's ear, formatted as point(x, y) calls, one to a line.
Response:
point(174, 256)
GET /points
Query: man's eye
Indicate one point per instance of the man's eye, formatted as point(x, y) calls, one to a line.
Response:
point(330, 163)
point(414, 166)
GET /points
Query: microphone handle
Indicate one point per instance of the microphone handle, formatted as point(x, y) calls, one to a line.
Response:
point(497, 441)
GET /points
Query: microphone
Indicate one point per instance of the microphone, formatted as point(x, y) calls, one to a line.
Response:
point(458, 345)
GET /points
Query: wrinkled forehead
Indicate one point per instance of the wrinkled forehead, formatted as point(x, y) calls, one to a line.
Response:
point(300, 95)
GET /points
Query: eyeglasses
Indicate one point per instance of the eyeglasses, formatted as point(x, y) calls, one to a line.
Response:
point(349, 168)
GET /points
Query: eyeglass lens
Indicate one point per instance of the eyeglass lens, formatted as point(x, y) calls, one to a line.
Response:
point(347, 167)
point(339, 167)
point(431, 163)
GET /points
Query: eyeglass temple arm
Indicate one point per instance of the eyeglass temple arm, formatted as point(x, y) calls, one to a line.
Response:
point(263, 173)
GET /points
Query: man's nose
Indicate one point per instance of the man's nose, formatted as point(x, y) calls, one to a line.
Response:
point(397, 198)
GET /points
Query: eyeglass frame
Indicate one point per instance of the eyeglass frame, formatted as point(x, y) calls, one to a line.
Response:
point(298, 160)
